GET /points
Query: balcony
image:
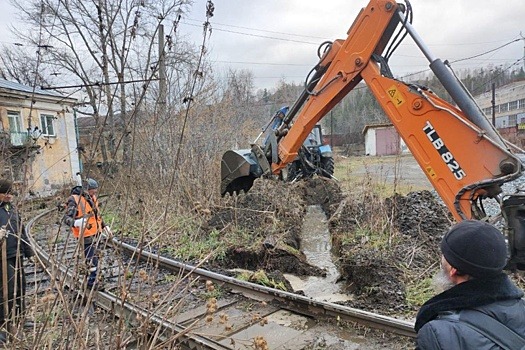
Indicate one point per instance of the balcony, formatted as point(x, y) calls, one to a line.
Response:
point(19, 138)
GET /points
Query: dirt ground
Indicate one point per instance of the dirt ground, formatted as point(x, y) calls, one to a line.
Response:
point(380, 244)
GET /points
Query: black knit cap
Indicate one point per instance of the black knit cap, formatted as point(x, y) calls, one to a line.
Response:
point(6, 186)
point(475, 248)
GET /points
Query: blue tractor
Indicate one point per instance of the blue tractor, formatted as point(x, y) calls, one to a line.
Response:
point(313, 157)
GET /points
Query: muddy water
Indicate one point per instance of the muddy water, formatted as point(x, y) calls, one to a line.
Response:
point(316, 245)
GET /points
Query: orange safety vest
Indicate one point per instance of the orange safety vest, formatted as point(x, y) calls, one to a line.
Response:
point(93, 220)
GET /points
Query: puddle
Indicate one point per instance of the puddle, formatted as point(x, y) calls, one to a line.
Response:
point(316, 245)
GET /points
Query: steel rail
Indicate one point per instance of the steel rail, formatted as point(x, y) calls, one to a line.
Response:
point(291, 301)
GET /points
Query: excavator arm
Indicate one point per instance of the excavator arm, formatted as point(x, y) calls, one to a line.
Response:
point(461, 153)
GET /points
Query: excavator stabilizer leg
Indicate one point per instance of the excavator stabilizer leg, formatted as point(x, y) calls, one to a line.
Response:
point(513, 209)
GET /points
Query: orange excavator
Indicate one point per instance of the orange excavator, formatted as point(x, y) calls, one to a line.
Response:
point(460, 151)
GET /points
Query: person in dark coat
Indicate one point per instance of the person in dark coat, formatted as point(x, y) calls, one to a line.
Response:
point(16, 246)
point(474, 254)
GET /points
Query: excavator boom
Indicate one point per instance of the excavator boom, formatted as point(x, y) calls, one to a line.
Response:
point(462, 154)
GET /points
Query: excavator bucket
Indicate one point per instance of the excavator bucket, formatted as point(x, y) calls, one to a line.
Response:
point(239, 168)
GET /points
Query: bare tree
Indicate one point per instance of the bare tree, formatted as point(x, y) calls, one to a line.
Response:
point(20, 68)
point(109, 48)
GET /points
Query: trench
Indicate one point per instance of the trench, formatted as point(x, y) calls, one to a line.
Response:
point(317, 247)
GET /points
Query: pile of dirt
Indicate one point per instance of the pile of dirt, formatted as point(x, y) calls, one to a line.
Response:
point(320, 191)
point(270, 214)
point(422, 219)
point(419, 213)
point(380, 242)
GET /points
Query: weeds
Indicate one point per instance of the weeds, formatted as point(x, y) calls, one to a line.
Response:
point(376, 239)
point(418, 291)
point(191, 247)
point(260, 277)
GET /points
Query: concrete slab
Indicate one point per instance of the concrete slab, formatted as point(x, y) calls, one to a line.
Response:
point(200, 311)
point(274, 334)
point(232, 319)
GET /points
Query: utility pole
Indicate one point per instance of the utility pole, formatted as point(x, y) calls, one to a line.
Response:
point(493, 104)
point(332, 129)
point(523, 38)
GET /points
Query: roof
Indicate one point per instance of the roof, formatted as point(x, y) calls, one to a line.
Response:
point(89, 122)
point(86, 122)
point(376, 126)
point(9, 85)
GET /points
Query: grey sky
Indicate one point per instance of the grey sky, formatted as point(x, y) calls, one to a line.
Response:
point(452, 29)
point(279, 38)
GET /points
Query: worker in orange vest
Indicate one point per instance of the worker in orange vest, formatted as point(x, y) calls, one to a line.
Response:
point(85, 220)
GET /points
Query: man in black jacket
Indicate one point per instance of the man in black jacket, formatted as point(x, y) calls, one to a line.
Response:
point(15, 247)
point(474, 254)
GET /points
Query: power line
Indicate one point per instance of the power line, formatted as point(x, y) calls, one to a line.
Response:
point(98, 84)
point(257, 36)
point(487, 52)
point(405, 76)
point(497, 75)
point(265, 63)
point(454, 61)
point(261, 30)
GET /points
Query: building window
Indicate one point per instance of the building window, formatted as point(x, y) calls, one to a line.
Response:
point(513, 105)
point(18, 137)
point(521, 103)
point(513, 119)
point(504, 107)
point(46, 122)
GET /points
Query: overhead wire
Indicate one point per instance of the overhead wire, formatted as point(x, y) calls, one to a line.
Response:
point(494, 77)
point(315, 37)
point(395, 43)
point(82, 85)
point(389, 52)
point(465, 59)
point(258, 36)
point(486, 52)
point(257, 29)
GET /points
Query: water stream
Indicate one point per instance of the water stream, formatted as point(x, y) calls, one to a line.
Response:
point(316, 245)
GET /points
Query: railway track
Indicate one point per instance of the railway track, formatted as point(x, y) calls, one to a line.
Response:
point(153, 302)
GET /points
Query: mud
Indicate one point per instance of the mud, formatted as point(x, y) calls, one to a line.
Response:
point(378, 244)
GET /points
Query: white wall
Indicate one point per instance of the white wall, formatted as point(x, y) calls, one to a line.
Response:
point(370, 142)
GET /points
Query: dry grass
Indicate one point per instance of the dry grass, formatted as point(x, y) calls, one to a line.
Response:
point(387, 175)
